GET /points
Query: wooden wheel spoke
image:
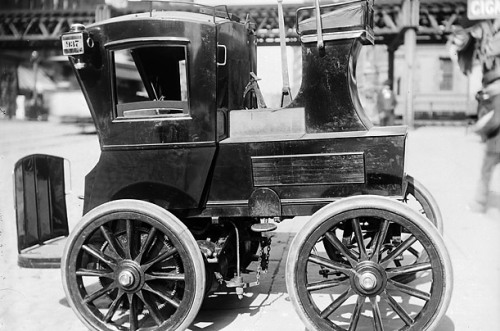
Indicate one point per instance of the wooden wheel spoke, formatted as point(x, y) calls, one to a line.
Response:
point(393, 285)
point(99, 293)
point(330, 264)
point(151, 307)
point(363, 256)
point(94, 273)
point(97, 254)
point(171, 300)
point(398, 251)
point(166, 276)
point(130, 238)
point(398, 309)
point(341, 248)
point(161, 257)
point(147, 244)
point(409, 269)
point(326, 284)
point(336, 304)
point(372, 241)
point(134, 323)
point(382, 233)
point(353, 324)
point(377, 317)
point(114, 245)
point(414, 252)
point(114, 306)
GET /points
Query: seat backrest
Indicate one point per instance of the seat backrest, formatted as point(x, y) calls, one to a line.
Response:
point(349, 19)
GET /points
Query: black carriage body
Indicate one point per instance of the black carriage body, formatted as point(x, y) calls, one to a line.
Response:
point(196, 153)
point(166, 90)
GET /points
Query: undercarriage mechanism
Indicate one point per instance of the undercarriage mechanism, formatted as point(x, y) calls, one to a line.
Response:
point(229, 246)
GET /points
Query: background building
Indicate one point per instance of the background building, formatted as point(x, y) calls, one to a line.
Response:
point(441, 90)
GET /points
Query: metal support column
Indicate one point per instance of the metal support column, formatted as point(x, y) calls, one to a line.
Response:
point(390, 70)
point(410, 49)
point(411, 15)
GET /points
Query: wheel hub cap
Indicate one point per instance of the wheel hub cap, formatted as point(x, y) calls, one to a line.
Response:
point(368, 281)
point(126, 278)
point(129, 276)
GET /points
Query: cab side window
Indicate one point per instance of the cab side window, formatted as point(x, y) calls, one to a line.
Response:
point(151, 81)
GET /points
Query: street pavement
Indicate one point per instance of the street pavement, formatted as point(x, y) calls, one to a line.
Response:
point(445, 159)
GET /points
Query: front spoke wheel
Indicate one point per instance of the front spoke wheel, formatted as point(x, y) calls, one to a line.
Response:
point(131, 265)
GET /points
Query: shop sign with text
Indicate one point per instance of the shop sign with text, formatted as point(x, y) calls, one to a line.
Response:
point(483, 9)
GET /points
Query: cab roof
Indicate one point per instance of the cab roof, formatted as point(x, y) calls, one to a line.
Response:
point(173, 11)
point(170, 15)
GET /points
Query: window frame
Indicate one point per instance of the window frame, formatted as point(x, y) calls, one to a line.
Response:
point(447, 74)
point(148, 109)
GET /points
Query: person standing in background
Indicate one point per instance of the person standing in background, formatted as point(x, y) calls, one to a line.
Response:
point(386, 103)
point(481, 43)
point(488, 127)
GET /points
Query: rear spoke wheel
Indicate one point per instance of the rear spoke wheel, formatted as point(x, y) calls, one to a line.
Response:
point(360, 288)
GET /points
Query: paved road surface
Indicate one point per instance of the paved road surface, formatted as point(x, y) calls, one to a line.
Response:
point(445, 159)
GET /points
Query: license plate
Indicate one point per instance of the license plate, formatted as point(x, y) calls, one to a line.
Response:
point(72, 44)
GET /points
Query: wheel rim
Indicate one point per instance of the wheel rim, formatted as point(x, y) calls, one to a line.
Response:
point(421, 200)
point(128, 270)
point(362, 289)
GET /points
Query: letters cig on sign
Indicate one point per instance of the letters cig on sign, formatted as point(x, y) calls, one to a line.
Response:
point(483, 9)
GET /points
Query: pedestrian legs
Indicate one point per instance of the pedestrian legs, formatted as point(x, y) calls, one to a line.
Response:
point(490, 160)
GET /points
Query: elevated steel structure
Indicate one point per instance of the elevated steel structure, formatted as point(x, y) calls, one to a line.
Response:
point(24, 27)
point(39, 28)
